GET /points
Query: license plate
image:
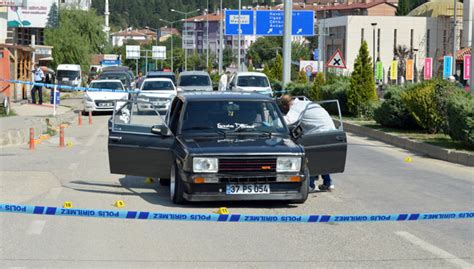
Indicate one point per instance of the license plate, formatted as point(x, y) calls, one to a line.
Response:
point(105, 104)
point(248, 189)
point(159, 103)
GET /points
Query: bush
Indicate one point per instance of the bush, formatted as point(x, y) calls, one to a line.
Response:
point(298, 89)
point(393, 111)
point(277, 87)
point(337, 88)
point(460, 112)
point(315, 91)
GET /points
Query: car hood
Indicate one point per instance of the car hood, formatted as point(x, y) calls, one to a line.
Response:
point(107, 95)
point(159, 94)
point(240, 145)
point(195, 88)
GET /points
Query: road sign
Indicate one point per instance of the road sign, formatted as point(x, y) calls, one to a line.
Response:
point(379, 71)
point(448, 67)
point(132, 52)
point(158, 52)
point(394, 70)
point(316, 54)
point(271, 23)
point(428, 73)
point(336, 60)
point(410, 69)
point(232, 22)
point(467, 67)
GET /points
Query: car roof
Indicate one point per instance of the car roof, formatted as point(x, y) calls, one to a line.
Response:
point(157, 79)
point(223, 96)
point(106, 80)
point(159, 73)
point(190, 73)
point(251, 74)
point(115, 68)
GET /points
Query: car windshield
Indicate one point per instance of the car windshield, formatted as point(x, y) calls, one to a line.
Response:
point(252, 81)
point(230, 116)
point(172, 77)
point(121, 76)
point(106, 85)
point(194, 80)
point(157, 86)
point(71, 74)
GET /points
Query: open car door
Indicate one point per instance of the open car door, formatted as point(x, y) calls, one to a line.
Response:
point(133, 148)
point(325, 151)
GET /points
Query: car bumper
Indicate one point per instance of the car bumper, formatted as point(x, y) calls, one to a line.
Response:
point(92, 106)
point(147, 107)
point(217, 191)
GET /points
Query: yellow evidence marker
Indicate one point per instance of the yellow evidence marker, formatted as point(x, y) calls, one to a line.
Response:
point(119, 204)
point(149, 180)
point(408, 160)
point(223, 211)
point(67, 204)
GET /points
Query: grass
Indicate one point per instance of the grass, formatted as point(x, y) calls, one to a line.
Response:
point(440, 140)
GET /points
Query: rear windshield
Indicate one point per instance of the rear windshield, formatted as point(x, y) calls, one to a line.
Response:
point(194, 80)
point(252, 81)
point(71, 74)
point(157, 86)
point(121, 76)
point(106, 85)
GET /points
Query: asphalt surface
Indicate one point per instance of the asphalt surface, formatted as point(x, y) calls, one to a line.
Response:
point(377, 181)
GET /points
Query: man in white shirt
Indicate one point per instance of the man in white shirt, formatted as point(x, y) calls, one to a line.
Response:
point(223, 82)
point(312, 118)
point(38, 76)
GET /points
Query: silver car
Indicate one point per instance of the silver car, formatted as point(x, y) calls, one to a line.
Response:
point(194, 81)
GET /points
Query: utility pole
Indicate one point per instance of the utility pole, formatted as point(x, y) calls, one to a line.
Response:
point(287, 42)
point(207, 34)
point(172, 52)
point(455, 37)
point(374, 24)
point(221, 39)
point(240, 36)
point(106, 15)
point(185, 33)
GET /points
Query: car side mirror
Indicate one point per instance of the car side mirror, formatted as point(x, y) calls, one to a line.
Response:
point(296, 131)
point(159, 130)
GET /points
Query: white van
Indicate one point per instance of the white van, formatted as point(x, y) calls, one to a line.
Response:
point(69, 74)
point(251, 82)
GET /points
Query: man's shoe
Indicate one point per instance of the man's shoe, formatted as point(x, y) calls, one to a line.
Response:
point(323, 187)
point(312, 189)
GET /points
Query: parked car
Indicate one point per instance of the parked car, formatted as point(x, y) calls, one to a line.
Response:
point(123, 76)
point(251, 82)
point(194, 81)
point(157, 91)
point(222, 146)
point(69, 75)
point(104, 100)
point(161, 74)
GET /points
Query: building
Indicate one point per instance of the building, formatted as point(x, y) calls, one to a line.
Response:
point(166, 32)
point(337, 2)
point(353, 8)
point(423, 36)
point(142, 36)
point(81, 4)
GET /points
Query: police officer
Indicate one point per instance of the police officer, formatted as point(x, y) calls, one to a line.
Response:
point(38, 75)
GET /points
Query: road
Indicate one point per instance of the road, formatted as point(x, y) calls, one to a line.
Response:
point(377, 181)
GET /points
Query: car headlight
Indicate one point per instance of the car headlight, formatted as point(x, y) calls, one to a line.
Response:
point(288, 164)
point(205, 165)
point(88, 98)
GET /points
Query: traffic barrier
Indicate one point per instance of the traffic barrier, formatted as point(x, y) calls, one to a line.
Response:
point(61, 136)
point(169, 216)
point(32, 138)
point(79, 118)
point(90, 117)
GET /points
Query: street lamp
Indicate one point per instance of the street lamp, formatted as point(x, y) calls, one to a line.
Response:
point(171, 25)
point(185, 31)
point(373, 25)
point(156, 43)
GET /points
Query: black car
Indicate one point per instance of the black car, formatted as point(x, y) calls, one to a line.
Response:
point(222, 146)
point(123, 76)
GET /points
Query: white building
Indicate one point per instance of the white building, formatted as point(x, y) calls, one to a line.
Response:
point(426, 37)
point(81, 4)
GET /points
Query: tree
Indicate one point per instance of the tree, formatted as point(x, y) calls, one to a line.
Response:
point(403, 7)
point(302, 78)
point(315, 92)
point(362, 88)
point(53, 17)
point(78, 36)
point(228, 57)
point(264, 50)
point(401, 53)
point(277, 68)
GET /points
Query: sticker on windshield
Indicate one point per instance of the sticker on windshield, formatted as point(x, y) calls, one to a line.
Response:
point(235, 125)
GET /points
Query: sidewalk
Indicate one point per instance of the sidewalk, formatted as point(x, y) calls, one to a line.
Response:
point(15, 130)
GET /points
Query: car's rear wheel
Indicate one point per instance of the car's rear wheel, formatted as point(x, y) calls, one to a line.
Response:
point(176, 186)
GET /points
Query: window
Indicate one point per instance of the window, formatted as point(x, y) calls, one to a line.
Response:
point(428, 40)
point(252, 81)
point(361, 35)
point(394, 39)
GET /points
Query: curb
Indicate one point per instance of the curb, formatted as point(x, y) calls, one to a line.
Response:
point(15, 137)
point(432, 151)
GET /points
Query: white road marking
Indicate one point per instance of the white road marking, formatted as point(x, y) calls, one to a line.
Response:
point(53, 193)
point(434, 250)
point(36, 227)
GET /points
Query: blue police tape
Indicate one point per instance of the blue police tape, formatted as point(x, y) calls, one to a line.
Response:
point(65, 87)
point(72, 88)
point(119, 214)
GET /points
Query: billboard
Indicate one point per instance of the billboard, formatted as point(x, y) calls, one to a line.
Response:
point(12, 3)
point(428, 68)
point(33, 15)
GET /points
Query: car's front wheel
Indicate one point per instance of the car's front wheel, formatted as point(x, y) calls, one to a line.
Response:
point(176, 186)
